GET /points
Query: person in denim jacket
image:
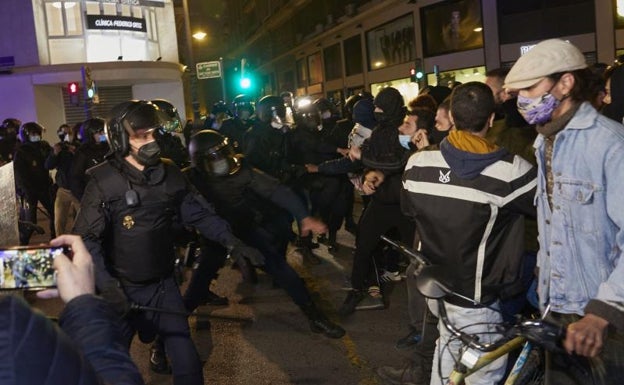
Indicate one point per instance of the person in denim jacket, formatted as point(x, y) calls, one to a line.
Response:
point(580, 205)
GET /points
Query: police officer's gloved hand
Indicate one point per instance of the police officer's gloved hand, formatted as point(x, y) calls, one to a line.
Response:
point(238, 250)
point(114, 294)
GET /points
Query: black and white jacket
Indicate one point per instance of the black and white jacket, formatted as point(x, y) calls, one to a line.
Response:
point(469, 209)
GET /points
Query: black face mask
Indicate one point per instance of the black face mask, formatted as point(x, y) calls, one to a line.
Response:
point(148, 154)
point(61, 135)
point(436, 136)
point(380, 117)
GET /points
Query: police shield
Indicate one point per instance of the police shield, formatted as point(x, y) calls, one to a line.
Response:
point(9, 234)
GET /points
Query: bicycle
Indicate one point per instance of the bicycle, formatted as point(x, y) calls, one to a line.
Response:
point(532, 336)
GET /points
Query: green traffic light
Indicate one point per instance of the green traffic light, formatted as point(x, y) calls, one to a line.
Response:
point(419, 75)
point(90, 93)
point(245, 83)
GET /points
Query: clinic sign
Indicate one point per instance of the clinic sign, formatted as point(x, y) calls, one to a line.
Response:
point(117, 23)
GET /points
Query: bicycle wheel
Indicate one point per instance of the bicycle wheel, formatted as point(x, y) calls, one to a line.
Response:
point(532, 372)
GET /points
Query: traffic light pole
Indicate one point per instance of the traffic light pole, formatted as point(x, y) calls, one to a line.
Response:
point(85, 98)
point(191, 62)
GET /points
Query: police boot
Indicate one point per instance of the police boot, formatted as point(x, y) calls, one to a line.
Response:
point(158, 358)
point(319, 322)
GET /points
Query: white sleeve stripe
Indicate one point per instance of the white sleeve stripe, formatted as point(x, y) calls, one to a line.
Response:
point(464, 193)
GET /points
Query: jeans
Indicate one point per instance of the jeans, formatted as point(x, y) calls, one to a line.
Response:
point(480, 321)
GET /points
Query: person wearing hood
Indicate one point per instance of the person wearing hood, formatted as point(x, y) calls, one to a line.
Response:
point(468, 199)
point(384, 157)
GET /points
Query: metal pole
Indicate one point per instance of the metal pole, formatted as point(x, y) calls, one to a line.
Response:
point(223, 79)
point(191, 62)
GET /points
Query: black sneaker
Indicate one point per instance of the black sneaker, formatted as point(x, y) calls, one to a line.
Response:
point(158, 358)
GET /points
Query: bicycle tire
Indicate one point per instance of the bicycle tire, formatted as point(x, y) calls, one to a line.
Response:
point(532, 372)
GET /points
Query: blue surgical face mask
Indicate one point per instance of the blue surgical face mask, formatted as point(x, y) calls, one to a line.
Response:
point(405, 140)
point(34, 138)
point(102, 139)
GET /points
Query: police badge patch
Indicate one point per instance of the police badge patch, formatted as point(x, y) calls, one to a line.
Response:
point(128, 222)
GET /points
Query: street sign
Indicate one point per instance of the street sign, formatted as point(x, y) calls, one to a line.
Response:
point(208, 70)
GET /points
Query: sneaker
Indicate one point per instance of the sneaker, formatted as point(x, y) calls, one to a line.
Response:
point(409, 340)
point(371, 303)
point(353, 299)
point(390, 276)
point(409, 374)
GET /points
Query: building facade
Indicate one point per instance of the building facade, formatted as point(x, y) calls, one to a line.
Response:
point(336, 48)
point(128, 48)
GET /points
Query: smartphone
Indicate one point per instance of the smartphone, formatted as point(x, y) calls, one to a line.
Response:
point(28, 267)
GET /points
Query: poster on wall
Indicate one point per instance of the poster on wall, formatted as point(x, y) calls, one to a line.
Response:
point(451, 26)
point(391, 43)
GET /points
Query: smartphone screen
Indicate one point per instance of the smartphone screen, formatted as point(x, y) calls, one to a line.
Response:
point(29, 267)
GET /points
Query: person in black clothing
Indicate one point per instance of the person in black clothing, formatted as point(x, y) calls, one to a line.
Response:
point(85, 348)
point(91, 153)
point(254, 204)
point(311, 145)
point(385, 158)
point(61, 158)
point(8, 139)
point(32, 180)
point(126, 216)
point(234, 128)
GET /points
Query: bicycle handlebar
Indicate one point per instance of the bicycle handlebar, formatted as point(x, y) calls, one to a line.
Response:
point(414, 255)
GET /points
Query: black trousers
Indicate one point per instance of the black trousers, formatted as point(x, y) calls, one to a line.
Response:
point(173, 329)
point(376, 221)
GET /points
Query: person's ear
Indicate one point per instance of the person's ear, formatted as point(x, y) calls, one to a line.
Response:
point(491, 120)
point(450, 116)
point(566, 83)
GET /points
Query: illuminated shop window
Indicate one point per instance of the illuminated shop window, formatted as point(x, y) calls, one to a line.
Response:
point(93, 8)
point(63, 18)
point(74, 19)
point(54, 18)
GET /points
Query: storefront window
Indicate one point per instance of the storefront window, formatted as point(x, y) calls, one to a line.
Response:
point(462, 75)
point(391, 43)
point(109, 9)
point(93, 8)
point(407, 89)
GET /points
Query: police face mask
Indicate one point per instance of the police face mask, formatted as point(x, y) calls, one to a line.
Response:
point(61, 135)
point(148, 154)
point(34, 138)
point(219, 167)
point(102, 138)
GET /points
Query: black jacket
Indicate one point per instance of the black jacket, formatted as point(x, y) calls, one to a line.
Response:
point(248, 198)
point(86, 156)
point(87, 351)
point(135, 242)
point(29, 165)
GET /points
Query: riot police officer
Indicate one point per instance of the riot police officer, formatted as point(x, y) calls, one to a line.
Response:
point(234, 128)
point(254, 204)
point(32, 179)
point(91, 152)
point(8, 139)
point(171, 146)
point(129, 206)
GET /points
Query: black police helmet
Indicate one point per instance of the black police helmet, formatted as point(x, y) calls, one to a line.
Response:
point(308, 116)
point(270, 107)
point(129, 118)
point(90, 127)
point(242, 103)
point(10, 127)
point(29, 129)
point(211, 153)
point(174, 124)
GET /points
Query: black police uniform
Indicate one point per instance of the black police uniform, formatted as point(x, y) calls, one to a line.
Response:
point(34, 184)
point(258, 206)
point(125, 221)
